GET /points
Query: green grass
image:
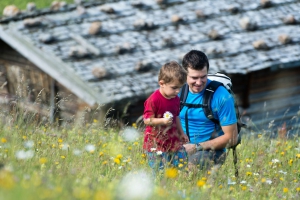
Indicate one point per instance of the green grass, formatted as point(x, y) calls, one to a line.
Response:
point(93, 162)
point(21, 4)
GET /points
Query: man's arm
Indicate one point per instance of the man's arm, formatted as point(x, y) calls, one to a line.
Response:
point(227, 140)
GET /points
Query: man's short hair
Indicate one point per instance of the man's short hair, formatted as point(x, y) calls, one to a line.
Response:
point(172, 71)
point(195, 59)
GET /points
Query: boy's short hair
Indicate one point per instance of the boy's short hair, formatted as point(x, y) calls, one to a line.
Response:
point(195, 59)
point(172, 71)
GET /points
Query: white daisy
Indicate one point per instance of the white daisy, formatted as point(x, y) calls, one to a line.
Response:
point(168, 115)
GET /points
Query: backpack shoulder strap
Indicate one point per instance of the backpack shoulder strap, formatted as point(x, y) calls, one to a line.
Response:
point(207, 98)
point(183, 95)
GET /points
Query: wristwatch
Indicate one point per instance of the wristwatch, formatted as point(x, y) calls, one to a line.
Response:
point(199, 147)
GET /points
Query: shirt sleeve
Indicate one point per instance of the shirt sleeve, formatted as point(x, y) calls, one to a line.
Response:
point(223, 106)
point(149, 108)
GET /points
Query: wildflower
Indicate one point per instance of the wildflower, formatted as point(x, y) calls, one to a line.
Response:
point(95, 120)
point(298, 155)
point(129, 148)
point(259, 135)
point(3, 140)
point(64, 147)
point(143, 155)
point(180, 165)
point(134, 125)
point(23, 155)
point(230, 182)
point(231, 188)
point(274, 161)
point(249, 166)
point(243, 182)
point(59, 140)
point(256, 174)
point(201, 183)
point(282, 153)
point(269, 181)
point(263, 180)
point(43, 160)
point(104, 162)
point(220, 186)
point(249, 173)
point(101, 154)
point(135, 143)
point(171, 173)
point(24, 137)
point(63, 157)
point(153, 149)
point(117, 161)
point(208, 172)
point(119, 156)
point(204, 179)
point(90, 148)
point(76, 152)
point(282, 172)
point(137, 185)
point(244, 188)
point(159, 152)
point(298, 189)
point(285, 190)
point(130, 134)
point(168, 115)
point(28, 144)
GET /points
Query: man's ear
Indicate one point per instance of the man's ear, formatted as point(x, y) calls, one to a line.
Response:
point(161, 83)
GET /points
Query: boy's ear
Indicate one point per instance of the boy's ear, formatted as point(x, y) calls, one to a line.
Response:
point(161, 82)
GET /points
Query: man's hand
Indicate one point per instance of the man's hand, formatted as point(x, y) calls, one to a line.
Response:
point(190, 148)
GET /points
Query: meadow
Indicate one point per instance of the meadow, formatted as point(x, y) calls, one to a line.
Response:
point(43, 161)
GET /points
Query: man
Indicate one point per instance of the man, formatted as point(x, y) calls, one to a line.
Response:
point(208, 140)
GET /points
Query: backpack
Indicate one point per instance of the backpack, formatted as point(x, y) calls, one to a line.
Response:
point(217, 80)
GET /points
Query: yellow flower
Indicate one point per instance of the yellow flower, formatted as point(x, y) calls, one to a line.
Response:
point(135, 143)
point(249, 173)
point(259, 135)
point(3, 140)
point(134, 125)
point(282, 153)
point(119, 156)
point(290, 162)
point(285, 190)
point(144, 155)
point(24, 137)
point(263, 180)
point(95, 121)
point(298, 155)
point(204, 179)
point(208, 172)
point(200, 183)
point(298, 189)
point(180, 165)
point(171, 173)
point(60, 140)
point(43, 160)
point(282, 179)
point(129, 148)
point(220, 186)
point(117, 161)
point(63, 157)
point(104, 162)
point(244, 188)
point(231, 188)
point(101, 153)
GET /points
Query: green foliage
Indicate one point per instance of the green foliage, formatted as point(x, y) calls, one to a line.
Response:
point(44, 162)
point(21, 4)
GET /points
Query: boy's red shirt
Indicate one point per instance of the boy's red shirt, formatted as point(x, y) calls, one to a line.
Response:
point(162, 138)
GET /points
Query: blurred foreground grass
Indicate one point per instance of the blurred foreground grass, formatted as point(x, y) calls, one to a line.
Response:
point(91, 162)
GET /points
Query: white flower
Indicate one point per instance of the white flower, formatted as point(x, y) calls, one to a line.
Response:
point(65, 147)
point(28, 144)
point(256, 174)
point(159, 152)
point(230, 182)
point(135, 185)
point(90, 148)
point(275, 161)
point(168, 115)
point(130, 134)
point(243, 182)
point(248, 166)
point(269, 181)
point(153, 149)
point(282, 172)
point(23, 155)
point(76, 152)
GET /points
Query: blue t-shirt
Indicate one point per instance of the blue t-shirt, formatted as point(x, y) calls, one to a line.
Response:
point(200, 127)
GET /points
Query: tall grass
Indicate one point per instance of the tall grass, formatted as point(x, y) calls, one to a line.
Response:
point(94, 162)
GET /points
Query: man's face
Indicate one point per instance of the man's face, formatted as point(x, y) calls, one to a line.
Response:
point(196, 79)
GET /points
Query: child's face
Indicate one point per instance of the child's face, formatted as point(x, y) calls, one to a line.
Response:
point(170, 90)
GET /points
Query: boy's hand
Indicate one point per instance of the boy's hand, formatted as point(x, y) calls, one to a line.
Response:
point(167, 121)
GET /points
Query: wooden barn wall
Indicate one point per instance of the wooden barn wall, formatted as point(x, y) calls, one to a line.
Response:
point(274, 97)
point(19, 78)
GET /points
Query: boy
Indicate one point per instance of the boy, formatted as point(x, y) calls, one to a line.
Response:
point(164, 137)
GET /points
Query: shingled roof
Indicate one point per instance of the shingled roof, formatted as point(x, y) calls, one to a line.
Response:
point(111, 52)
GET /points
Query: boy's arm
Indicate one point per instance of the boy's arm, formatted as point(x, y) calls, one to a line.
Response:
point(158, 121)
point(183, 136)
